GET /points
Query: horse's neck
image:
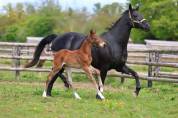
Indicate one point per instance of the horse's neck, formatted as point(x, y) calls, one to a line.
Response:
point(86, 47)
point(120, 32)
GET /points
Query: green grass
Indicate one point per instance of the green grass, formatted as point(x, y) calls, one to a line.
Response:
point(22, 99)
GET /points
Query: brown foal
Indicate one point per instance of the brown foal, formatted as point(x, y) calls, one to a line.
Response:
point(80, 59)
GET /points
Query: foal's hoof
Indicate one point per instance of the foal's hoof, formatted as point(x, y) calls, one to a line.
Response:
point(76, 95)
point(99, 97)
point(46, 95)
point(137, 91)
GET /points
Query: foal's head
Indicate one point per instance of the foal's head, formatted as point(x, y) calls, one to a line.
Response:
point(95, 40)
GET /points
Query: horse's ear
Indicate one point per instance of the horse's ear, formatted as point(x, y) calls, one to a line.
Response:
point(130, 7)
point(137, 8)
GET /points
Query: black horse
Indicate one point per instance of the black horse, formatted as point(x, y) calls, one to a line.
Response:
point(113, 56)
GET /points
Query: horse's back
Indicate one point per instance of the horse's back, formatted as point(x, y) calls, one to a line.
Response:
point(70, 40)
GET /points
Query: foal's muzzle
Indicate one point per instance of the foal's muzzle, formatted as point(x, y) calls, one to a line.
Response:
point(103, 44)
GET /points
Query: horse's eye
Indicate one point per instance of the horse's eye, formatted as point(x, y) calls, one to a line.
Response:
point(135, 16)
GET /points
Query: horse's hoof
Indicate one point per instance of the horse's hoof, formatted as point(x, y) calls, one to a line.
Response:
point(136, 92)
point(98, 97)
point(66, 85)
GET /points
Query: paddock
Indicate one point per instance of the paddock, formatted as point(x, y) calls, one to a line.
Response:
point(22, 87)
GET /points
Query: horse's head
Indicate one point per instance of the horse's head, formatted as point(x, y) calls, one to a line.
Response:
point(96, 40)
point(137, 20)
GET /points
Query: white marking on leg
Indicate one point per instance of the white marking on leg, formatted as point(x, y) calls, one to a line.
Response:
point(101, 95)
point(69, 77)
point(100, 84)
point(101, 89)
point(44, 93)
point(76, 95)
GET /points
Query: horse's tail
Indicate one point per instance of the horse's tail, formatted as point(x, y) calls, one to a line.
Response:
point(48, 39)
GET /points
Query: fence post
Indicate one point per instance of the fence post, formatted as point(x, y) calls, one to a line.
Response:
point(156, 68)
point(17, 61)
point(122, 80)
point(150, 69)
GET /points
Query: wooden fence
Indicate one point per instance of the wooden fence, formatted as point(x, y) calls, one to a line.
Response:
point(139, 54)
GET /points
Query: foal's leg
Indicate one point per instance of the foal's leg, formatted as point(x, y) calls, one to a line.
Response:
point(53, 79)
point(90, 76)
point(97, 73)
point(63, 78)
point(53, 72)
point(69, 77)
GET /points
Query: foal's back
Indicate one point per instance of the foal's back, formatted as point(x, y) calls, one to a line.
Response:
point(68, 57)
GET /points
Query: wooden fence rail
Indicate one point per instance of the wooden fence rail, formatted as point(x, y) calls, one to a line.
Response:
point(138, 55)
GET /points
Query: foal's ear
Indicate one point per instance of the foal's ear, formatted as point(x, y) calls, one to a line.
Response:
point(130, 7)
point(92, 32)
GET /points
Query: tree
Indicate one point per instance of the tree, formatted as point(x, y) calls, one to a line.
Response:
point(39, 26)
point(104, 16)
point(162, 16)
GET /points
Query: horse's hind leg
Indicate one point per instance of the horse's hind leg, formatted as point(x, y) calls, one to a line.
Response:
point(69, 78)
point(50, 85)
point(90, 76)
point(40, 63)
point(51, 76)
point(63, 78)
point(51, 82)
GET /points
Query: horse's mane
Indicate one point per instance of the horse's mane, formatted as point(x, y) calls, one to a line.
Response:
point(115, 23)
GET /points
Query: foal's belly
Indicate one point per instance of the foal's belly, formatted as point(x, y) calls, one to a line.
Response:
point(73, 65)
point(72, 62)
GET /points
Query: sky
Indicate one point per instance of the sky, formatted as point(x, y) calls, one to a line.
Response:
point(75, 4)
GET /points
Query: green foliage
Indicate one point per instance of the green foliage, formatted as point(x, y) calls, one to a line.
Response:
point(11, 33)
point(39, 26)
point(163, 17)
point(24, 20)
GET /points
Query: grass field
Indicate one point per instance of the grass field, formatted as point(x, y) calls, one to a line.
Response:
point(22, 99)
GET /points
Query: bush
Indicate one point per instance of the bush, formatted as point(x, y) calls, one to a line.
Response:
point(11, 33)
point(39, 26)
point(162, 16)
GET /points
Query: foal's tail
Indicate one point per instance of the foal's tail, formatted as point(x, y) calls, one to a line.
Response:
point(48, 39)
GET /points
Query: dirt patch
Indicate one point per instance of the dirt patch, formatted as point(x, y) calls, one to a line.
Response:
point(77, 85)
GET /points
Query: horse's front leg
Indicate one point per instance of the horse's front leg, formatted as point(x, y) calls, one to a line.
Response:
point(128, 70)
point(103, 74)
point(87, 70)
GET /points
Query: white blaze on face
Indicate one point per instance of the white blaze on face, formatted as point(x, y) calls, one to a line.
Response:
point(102, 44)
